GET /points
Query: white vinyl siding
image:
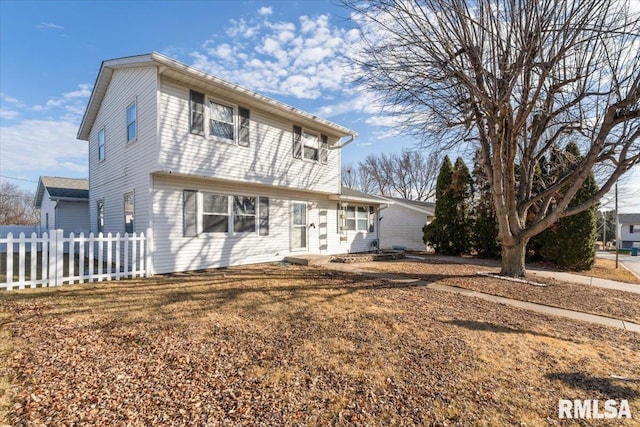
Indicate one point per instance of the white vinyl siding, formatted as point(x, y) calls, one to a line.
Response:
point(266, 160)
point(129, 165)
point(402, 226)
point(72, 217)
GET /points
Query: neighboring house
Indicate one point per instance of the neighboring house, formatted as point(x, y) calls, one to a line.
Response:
point(222, 175)
point(402, 221)
point(63, 204)
point(629, 230)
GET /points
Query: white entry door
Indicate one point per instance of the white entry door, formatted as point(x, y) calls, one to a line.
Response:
point(299, 227)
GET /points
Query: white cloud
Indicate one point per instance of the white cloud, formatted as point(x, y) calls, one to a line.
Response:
point(9, 99)
point(84, 91)
point(8, 114)
point(300, 59)
point(42, 147)
point(48, 25)
point(265, 11)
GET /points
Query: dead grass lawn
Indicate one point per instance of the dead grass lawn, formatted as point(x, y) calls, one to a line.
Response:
point(606, 269)
point(285, 345)
point(588, 299)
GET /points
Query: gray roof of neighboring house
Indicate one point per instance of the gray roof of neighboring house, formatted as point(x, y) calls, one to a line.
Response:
point(355, 195)
point(60, 188)
point(629, 218)
point(427, 207)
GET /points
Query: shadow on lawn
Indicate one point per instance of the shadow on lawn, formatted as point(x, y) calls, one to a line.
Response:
point(613, 388)
point(492, 327)
point(189, 295)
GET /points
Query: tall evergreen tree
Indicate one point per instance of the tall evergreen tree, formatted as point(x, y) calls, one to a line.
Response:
point(462, 194)
point(437, 232)
point(576, 235)
point(485, 228)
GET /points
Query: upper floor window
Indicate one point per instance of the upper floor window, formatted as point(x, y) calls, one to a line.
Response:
point(221, 123)
point(307, 145)
point(101, 144)
point(128, 212)
point(100, 216)
point(132, 131)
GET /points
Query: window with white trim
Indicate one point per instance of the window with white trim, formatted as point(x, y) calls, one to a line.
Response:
point(101, 144)
point(100, 216)
point(132, 120)
point(357, 218)
point(310, 145)
point(207, 212)
point(221, 123)
point(215, 213)
point(128, 212)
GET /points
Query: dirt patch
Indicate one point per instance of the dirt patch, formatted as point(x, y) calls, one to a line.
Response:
point(283, 345)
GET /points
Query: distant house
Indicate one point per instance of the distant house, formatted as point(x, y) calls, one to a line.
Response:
point(220, 174)
point(402, 221)
point(63, 204)
point(629, 230)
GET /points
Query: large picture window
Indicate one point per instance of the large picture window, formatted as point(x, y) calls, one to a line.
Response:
point(357, 218)
point(221, 121)
point(215, 213)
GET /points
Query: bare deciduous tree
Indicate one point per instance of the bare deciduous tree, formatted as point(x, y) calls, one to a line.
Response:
point(515, 79)
point(16, 206)
point(408, 174)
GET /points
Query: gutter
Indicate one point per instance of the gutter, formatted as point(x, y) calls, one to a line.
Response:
point(352, 137)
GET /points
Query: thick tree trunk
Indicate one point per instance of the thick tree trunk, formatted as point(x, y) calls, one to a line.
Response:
point(513, 257)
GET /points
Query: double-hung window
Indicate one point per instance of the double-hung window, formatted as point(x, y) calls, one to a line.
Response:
point(309, 145)
point(221, 124)
point(101, 144)
point(244, 214)
point(357, 218)
point(215, 213)
point(128, 212)
point(132, 119)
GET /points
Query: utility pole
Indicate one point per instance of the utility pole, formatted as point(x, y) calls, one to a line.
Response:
point(617, 227)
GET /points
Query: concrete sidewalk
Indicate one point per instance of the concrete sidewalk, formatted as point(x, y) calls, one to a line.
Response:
point(538, 308)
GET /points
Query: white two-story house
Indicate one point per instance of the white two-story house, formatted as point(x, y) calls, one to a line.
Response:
point(220, 174)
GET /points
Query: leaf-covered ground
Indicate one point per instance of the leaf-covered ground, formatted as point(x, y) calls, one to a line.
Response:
point(284, 345)
point(588, 299)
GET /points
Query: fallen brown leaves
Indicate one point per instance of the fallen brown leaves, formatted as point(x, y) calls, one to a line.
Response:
point(588, 299)
point(285, 345)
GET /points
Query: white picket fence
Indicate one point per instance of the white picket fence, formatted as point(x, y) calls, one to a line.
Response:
point(116, 257)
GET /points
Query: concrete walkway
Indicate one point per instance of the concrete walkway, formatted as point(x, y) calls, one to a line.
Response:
point(538, 308)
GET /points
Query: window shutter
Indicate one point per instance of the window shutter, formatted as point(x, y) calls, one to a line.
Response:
point(324, 149)
point(190, 213)
point(297, 142)
point(243, 137)
point(196, 110)
point(264, 216)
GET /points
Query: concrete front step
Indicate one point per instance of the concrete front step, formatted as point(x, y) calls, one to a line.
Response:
point(308, 259)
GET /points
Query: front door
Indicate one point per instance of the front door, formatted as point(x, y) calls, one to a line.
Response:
point(299, 226)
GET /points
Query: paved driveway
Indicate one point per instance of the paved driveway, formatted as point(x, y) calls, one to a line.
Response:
point(631, 262)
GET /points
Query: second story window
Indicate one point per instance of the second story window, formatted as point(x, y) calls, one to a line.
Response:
point(307, 145)
point(221, 121)
point(132, 131)
point(101, 144)
point(311, 146)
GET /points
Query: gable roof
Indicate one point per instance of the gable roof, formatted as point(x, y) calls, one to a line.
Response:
point(60, 188)
point(629, 218)
point(196, 78)
point(428, 208)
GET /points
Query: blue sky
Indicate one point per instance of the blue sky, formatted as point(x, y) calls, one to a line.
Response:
point(50, 53)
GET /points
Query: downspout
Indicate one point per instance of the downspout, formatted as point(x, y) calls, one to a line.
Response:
point(344, 144)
